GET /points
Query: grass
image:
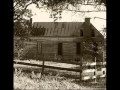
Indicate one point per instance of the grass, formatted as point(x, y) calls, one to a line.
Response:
point(35, 81)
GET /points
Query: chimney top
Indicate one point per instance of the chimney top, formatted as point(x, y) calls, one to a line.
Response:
point(87, 20)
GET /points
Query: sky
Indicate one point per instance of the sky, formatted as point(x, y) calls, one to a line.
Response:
point(41, 15)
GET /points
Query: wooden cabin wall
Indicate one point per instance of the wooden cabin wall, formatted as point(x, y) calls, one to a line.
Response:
point(50, 50)
point(69, 50)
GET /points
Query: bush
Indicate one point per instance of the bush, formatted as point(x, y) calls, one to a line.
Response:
point(29, 53)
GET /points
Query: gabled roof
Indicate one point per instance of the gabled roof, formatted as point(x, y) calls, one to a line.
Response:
point(58, 28)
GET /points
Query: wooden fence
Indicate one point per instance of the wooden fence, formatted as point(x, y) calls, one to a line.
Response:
point(87, 72)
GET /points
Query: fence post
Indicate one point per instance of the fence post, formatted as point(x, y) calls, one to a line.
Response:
point(95, 69)
point(95, 57)
point(36, 50)
point(81, 57)
point(43, 59)
point(81, 68)
point(42, 72)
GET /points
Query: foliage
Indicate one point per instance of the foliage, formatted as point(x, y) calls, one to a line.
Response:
point(93, 49)
point(18, 49)
point(20, 9)
point(19, 29)
point(22, 27)
point(34, 81)
point(57, 6)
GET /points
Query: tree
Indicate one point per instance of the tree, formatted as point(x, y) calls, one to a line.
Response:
point(20, 9)
point(56, 6)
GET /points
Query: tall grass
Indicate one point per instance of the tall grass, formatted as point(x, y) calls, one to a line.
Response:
point(35, 81)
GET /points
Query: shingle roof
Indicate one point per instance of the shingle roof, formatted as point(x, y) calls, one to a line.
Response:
point(58, 28)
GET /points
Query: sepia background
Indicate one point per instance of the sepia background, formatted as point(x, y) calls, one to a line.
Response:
point(60, 44)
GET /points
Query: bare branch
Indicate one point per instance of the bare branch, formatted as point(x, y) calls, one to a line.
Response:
point(100, 18)
point(87, 11)
point(16, 4)
point(24, 10)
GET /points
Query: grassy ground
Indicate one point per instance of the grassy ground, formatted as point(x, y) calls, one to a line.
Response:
point(86, 72)
point(34, 81)
point(30, 78)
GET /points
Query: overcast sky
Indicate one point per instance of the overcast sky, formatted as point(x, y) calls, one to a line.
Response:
point(41, 15)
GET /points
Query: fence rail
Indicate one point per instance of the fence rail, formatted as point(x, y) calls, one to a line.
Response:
point(46, 66)
point(83, 77)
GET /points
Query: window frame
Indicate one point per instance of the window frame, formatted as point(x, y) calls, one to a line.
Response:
point(78, 48)
point(92, 32)
point(81, 33)
point(60, 49)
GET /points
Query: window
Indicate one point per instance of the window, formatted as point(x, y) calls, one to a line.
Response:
point(103, 72)
point(81, 32)
point(59, 48)
point(92, 33)
point(95, 47)
point(78, 48)
point(94, 73)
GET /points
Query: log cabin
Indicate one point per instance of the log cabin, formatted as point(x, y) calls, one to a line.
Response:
point(63, 40)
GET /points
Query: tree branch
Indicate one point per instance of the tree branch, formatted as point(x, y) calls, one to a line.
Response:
point(100, 18)
point(23, 11)
point(87, 11)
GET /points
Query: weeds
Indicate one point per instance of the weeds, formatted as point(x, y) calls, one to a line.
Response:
point(35, 81)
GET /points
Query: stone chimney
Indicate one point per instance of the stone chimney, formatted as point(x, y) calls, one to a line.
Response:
point(87, 20)
point(87, 32)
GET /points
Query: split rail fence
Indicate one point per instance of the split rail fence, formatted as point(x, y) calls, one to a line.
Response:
point(87, 72)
